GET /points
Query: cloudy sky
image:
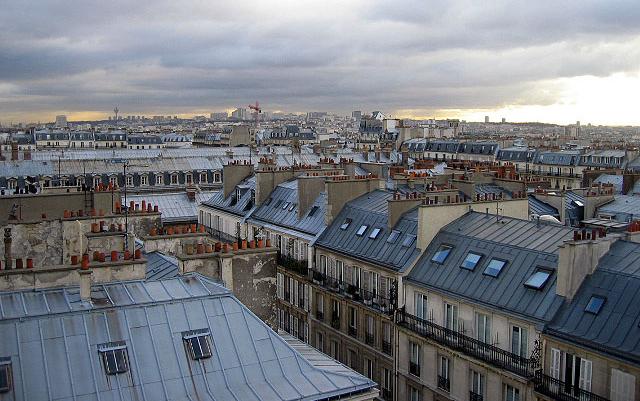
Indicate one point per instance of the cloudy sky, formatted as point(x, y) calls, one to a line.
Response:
point(553, 61)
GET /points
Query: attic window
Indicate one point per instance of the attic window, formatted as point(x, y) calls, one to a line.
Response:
point(198, 343)
point(494, 267)
point(595, 304)
point(538, 279)
point(441, 254)
point(5, 374)
point(293, 206)
point(313, 211)
point(408, 240)
point(374, 233)
point(471, 261)
point(393, 237)
point(361, 230)
point(114, 357)
point(345, 224)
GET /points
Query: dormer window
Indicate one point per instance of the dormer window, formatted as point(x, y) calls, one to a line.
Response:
point(198, 343)
point(5, 375)
point(114, 357)
point(313, 211)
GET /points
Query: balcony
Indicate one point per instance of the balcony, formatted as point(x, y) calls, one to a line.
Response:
point(443, 383)
point(353, 332)
point(470, 346)
point(368, 298)
point(414, 369)
point(287, 296)
point(475, 396)
point(220, 235)
point(386, 394)
point(369, 339)
point(386, 347)
point(294, 265)
point(320, 315)
point(335, 321)
point(561, 391)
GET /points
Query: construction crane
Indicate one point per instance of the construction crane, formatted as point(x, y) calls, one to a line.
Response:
point(256, 112)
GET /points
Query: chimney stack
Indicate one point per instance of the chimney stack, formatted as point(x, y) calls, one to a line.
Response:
point(14, 151)
point(7, 248)
point(85, 284)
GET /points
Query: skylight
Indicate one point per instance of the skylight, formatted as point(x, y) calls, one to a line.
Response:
point(278, 203)
point(471, 261)
point(114, 357)
point(595, 304)
point(494, 267)
point(198, 342)
point(286, 205)
point(408, 240)
point(268, 201)
point(345, 224)
point(361, 230)
point(393, 237)
point(538, 279)
point(374, 233)
point(441, 254)
point(313, 211)
point(293, 206)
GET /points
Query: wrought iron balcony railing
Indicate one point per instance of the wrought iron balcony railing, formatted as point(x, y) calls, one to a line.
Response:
point(353, 332)
point(386, 394)
point(455, 340)
point(475, 396)
point(335, 322)
point(386, 347)
point(294, 265)
point(414, 369)
point(368, 298)
point(561, 391)
point(443, 383)
point(320, 315)
point(369, 339)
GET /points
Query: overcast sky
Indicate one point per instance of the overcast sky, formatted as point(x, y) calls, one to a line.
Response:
point(553, 61)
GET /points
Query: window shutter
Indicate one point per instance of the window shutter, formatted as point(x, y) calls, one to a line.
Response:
point(585, 374)
point(295, 294)
point(623, 386)
point(306, 297)
point(384, 286)
point(348, 275)
point(365, 281)
point(280, 286)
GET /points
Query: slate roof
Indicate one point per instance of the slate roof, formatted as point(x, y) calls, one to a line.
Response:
point(558, 158)
point(615, 180)
point(536, 206)
point(525, 246)
point(371, 210)
point(597, 158)
point(111, 136)
point(624, 208)
point(478, 148)
point(282, 210)
point(81, 136)
point(231, 204)
point(160, 266)
point(176, 206)
point(517, 154)
point(144, 140)
point(52, 340)
point(615, 330)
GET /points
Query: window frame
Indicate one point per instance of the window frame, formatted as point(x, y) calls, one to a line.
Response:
point(442, 249)
point(202, 336)
point(362, 230)
point(504, 264)
point(480, 256)
point(114, 349)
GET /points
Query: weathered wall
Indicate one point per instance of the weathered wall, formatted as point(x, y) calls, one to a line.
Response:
point(40, 241)
point(172, 244)
point(232, 175)
point(308, 190)
point(342, 191)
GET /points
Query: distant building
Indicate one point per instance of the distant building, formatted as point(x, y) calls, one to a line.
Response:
point(240, 114)
point(504, 120)
point(486, 119)
point(219, 115)
point(61, 121)
point(357, 115)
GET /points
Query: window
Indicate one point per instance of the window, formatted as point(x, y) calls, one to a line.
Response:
point(144, 180)
point(408, 240)
point(595, 304)
point(451, 316)
point(286, 205)
point(5, 374)
point(477, 383)
point(320, 341)
point(494, 267)
point(471, 261)
point(575, 372)
point(441, 254)
point(293, 206)
point(414, 362)
point(114, 357)
point(368, 368)
point(345, 224)
point(96, 181)
point(268, 201)
point(113, 180)
point(159, 179)
point(355, 276)
point(420, 305)
point(189, 178)
point(443, 373)
point(174, 179)
point(393, 237)
point(414, 394)
point(198, 344)
point(335, 349)
point(483, 328)
point(511, 393)
point(385, 381)
point(519, 340)
point(361, 230)
point(538, 279)
point(353, 319)
point(623, 386)
point(374, 233)
point(280, 285)
point(313, 211)
point(203, 178)
point(129, 181)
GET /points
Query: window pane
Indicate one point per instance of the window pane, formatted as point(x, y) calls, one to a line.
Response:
point(594, 305)
point(494, 267)
point(393, 237)
point(361, 230)
point(441, 254)
point(471, 261)
point(538, 279)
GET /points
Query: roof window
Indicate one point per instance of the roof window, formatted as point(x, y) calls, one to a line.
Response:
point(538, 279)
point(114, 357)
point(595, 304)
point(268, 201)
point(278, 203)
point(408, 240)
point(471, 261)
point(361, 230)
point(393, 237)
point(345, 224)
point(286, 205)
point(5, 374)
point(293, 206)
point(441, 254)
point(199, 343)
point(313, 211)
point(374, 233)
point(494, 267)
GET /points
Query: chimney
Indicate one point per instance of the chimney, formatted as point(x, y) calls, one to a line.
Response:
point(578, 258)
point(308, 190)
point(7, 248)
point(399, 206)
point(267, 180)
point(191, 194)
point(85, 285)
point(27, 154)
point(14, 151)
point(341, 189)
point(233, 174)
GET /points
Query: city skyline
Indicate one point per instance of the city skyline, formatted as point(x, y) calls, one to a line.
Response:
point(410, 59)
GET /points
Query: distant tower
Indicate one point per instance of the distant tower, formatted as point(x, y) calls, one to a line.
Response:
point(486, 119)
point(61, 121)
point(116, 110)
point(504, 120)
